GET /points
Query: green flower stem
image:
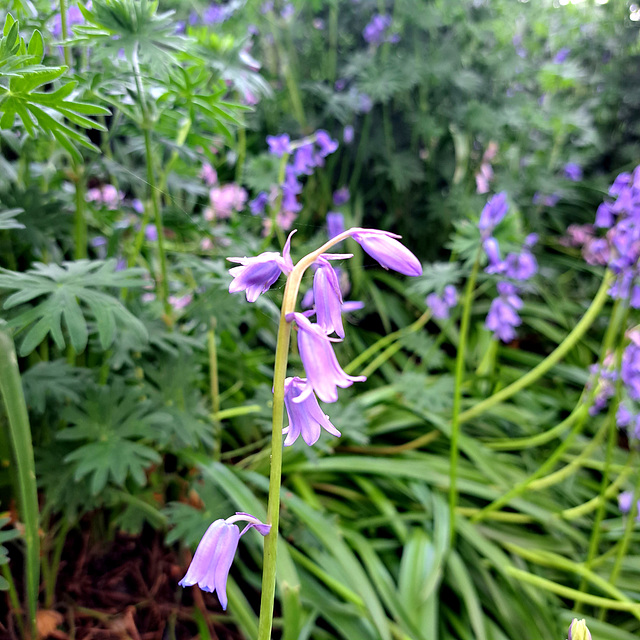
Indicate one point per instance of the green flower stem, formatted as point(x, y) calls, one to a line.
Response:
point(54, 566)
point(80, 221)
point(610, 422)
point(241, 153)
point(163, 285)
point(457, 395)
point(515, 444)
point(275, 477)
point(551, 360)
point(154, 194)
point(65, 31)
point(20, 437)
point(612, 490)
point(359, 161)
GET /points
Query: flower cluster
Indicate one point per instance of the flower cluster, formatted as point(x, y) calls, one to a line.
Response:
point(323, 372)
point(441, 305)
point(519, 266)
point(377, 31)
point(211, 563)
point(308, 154)
point(618, 247)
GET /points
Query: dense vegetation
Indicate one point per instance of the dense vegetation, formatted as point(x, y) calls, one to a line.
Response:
point(485, 485)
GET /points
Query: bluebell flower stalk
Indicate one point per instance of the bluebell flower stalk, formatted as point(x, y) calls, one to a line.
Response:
point(307, 418)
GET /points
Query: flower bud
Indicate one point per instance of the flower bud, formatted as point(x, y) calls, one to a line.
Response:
point(578, 630)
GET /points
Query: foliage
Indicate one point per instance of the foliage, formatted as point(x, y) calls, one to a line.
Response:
point(149, 385)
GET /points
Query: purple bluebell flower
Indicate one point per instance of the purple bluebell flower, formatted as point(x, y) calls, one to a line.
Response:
point(98, 241)
point(630, 370)
point(306, 418)
point(287, 11)
point(335, 224)
point(212, 560)
point(621, 182)
point(226, 199)
point(180, 302)
point(503, 314)
point(137, 206)
point(340, 84)
point(441, 305)
point(352, 305)
point(279, 145)
point(493, 212)
point(347, 134)
point(266, 7)
point(375, 33)
point(257, 274)
point(562, 55)
point(214, 14)
point(307, 299)
point(151, 232)
point(327, 298)
point(324, 374)
point(326, 143)
point(258, 204)
point(391, 254)
point(604, 216)
point(291, 182)
point(531, 240)
point(573, 171)
point(520, 266)
point(492, 250)
point(304, 160)
point(341, 196)
point(517, 43)
point(624, 417)
point(624, 501)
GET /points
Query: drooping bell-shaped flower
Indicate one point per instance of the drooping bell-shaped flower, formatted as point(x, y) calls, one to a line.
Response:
point(324, 374)
point(212, 560)
point(306, 418)
point(391, 254)
point(493, 212)
point(257, 274)
point(328, 299)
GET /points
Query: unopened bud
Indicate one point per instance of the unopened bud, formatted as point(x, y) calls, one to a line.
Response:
point(578, 630)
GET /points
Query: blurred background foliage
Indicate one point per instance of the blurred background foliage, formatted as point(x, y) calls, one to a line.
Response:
point(149, 386)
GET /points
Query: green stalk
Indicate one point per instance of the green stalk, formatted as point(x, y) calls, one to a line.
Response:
point(20, 436)
point(154, 195)
point(13, 596)
point(50, 584)
point(65, 31)
point(457, 396)
point(242, 153)
point(80, 221)
point(551, 360)
point(275, 476)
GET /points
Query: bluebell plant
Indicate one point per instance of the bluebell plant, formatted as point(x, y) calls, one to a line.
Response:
point(299, 395)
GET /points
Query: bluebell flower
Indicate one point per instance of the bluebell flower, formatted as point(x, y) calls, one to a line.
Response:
point(341, 196)
point(306, 418)
point(503, 313)
point(257, 274)
point(304, 160)
point(391, 254)
point(441, 305)
point(326, 143)
point(493, 212)
point(562, 55)
point(573, 171)
point(279, 145)
point(258, 204)
point(327, 298)
point(347, 134)
point(324, 374)
point(212, 560)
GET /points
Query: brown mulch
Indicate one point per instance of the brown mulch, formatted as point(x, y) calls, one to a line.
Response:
point(123, 590)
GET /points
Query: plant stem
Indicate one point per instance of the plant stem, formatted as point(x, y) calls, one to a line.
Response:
point(457, 396)
point(242, 153)
point(20, 436)
point(552, 359)
point(154, 195)
point(80, 221)
point(275, 476)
